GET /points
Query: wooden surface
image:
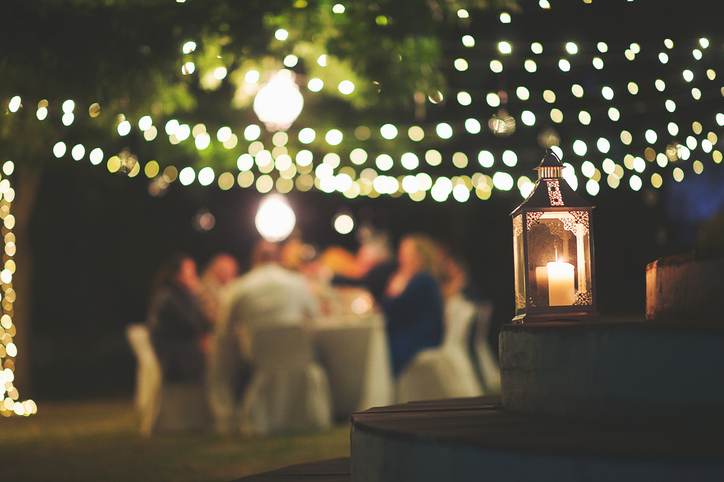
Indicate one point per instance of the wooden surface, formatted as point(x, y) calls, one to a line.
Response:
point(481, 422)
point(474, 439)
point(335, 470)
point(468, 440)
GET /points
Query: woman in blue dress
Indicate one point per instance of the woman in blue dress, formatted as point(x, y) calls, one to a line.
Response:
point(412, 303)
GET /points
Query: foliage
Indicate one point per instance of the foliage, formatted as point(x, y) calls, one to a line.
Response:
point(126, 55)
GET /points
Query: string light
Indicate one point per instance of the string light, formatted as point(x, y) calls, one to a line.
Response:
point(388, 131)
point(343, 223)
point(298, 169)
point(522, 93)
point(505, 48)
point(460, 64)
point(473, 126)
point(10, 401)
point(346, 87)
point(492, 99)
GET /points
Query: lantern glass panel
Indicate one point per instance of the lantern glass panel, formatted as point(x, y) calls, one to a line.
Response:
point(559, 259)
point(519, 264)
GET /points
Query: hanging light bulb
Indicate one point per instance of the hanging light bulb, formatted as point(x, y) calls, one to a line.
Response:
point(343, 222)
point(279, 102)
point(275, 219)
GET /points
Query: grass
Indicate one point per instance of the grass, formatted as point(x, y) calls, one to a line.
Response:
point(98, 441)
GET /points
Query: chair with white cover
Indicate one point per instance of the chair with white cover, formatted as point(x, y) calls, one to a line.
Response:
point(288, 391)
point(163, 407)
point(148, 376)
point(446, 371)
point(487, 360)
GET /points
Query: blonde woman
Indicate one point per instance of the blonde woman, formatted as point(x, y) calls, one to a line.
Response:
point(412, 302)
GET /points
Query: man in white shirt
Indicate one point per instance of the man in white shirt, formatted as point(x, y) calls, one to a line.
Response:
point(267, 296)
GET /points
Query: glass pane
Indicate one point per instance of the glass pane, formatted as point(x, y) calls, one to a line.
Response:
point(559, 254)
point(518, 264)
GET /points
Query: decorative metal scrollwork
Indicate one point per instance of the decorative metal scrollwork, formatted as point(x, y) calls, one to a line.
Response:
point(517, 226)
point(531, 218)
point(584, 298)
point(554, 192)
point(577, 217)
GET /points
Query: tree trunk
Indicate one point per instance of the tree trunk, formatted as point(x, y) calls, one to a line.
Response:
point(27, 181)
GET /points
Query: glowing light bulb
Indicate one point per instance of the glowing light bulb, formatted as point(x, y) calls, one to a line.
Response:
point(346, 87)
point(505, 47)
point(279, 102)
point(275, 219)
point(315, 84)
point(343, 223)
point(571, 48)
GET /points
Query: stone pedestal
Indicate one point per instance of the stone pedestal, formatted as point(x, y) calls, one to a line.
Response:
point(613, 369)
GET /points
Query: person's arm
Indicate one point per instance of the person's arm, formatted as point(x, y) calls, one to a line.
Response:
point(402, 308)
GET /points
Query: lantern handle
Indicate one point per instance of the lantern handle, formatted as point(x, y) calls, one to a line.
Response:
point(550, 166)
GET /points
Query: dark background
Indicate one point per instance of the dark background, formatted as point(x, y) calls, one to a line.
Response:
point(97, 240)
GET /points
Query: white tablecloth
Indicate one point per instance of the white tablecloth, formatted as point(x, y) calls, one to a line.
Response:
point(355, 356)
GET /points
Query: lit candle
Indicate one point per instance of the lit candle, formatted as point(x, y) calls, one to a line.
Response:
point(561, 289)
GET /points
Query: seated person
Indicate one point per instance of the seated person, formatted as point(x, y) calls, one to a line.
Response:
point(371, 268)
point(412, 302)
point(267, 296)
point(177, 323)
point(221, 270)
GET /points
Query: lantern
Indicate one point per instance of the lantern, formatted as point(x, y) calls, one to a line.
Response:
point(553, 250)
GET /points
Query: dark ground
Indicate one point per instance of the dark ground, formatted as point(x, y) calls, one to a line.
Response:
point(98, 441)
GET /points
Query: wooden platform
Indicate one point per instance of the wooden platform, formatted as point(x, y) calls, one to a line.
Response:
point(466, 440)
point(335, 470)
point(470, 439)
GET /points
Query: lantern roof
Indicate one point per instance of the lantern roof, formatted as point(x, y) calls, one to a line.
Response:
point(551, 191)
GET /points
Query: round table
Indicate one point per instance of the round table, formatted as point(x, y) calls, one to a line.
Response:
point(354, 353)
